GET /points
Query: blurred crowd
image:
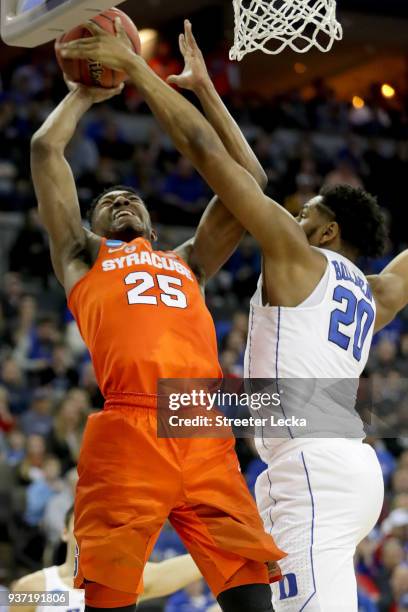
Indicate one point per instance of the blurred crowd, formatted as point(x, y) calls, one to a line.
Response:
point(47, 382)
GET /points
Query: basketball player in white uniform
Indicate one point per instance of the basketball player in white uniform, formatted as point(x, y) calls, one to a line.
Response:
point(323, 491)
point(160, 579)
point(313, 317)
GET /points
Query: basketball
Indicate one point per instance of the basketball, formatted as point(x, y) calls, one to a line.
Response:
point(89, 72)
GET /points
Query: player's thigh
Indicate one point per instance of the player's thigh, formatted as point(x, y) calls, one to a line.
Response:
point(126, 475)
point(370, 482)
point(332, 489)
point(217, 491)
point(317, 508)
point(127, 483)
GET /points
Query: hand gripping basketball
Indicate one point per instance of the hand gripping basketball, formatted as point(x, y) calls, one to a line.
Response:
point(114, 51)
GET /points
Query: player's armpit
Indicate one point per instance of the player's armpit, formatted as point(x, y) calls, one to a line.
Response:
point(167, 577)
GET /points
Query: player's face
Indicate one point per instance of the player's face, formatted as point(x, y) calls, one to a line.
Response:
point(313, 221)
point(122, 215)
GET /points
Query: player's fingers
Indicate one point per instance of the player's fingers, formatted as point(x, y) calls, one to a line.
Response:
point(82, 43)
point(182, 44)
point(95, 28)
point(189, 34)
point(122, 34)
point(173, 79)
point(81, 53)
point(120, 30)
point(118, 26)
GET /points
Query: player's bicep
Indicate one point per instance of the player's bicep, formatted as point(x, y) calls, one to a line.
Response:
point(269, 223)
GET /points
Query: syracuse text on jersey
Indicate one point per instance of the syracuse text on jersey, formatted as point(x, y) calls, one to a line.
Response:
point(161, 262)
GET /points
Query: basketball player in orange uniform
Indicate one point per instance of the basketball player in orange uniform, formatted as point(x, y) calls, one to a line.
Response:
point(143, 317)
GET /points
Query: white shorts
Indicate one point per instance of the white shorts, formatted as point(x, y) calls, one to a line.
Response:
point(319, 499)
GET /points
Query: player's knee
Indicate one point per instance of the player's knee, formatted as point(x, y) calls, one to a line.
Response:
point(247, 598)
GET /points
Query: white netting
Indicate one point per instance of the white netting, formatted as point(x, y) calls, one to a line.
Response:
point(272, 25)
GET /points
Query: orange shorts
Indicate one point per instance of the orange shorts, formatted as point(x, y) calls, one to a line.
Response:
point(131, 482)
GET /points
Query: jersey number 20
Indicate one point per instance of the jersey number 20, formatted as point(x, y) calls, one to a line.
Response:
point(144, 281)
point(356, 310)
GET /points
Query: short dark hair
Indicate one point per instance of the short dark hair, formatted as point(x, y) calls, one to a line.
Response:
point(95, 202)
point(68, 516)
point(360, 218)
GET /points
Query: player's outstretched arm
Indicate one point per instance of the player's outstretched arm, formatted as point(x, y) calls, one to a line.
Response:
point(167, 577)
point(275, 229)
point(53, 179)
point(219, 232)
point(390, 289)
point(32, 582)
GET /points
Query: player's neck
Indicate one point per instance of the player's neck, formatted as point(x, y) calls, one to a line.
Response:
point(128, 235)
point(349, 253)
point(345, 251)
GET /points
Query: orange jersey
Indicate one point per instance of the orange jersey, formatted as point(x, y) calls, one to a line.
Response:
point(143, 317)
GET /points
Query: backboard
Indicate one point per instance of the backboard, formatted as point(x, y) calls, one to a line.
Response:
point(29, 23)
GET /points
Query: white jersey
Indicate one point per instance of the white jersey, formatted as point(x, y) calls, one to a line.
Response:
point(53, 584)
point(324, 344)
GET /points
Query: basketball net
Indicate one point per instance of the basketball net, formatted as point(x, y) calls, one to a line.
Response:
point(272, 25)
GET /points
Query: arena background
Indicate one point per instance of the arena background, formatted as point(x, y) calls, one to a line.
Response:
point(313, 119)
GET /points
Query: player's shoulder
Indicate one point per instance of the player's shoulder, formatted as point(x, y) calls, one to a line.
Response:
point(31, 582)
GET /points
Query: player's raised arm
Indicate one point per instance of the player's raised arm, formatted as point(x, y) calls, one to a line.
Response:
point(219, 232)
point(274, 228)
point(390, 290)
point(53, 179)
point(167, 577)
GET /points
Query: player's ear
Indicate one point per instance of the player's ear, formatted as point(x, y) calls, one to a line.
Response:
point(153, 235)
point(330, 233)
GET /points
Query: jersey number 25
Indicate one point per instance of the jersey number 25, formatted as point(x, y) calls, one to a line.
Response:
point(144, 281)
